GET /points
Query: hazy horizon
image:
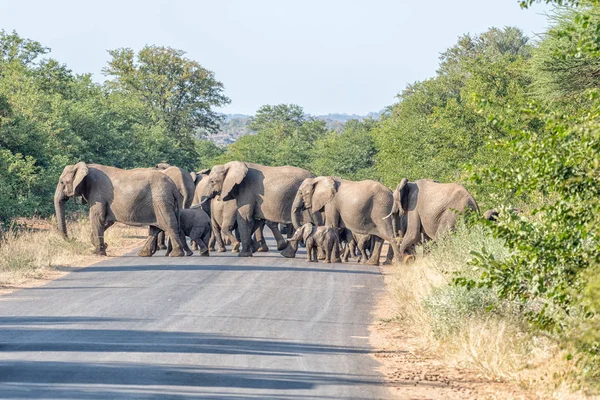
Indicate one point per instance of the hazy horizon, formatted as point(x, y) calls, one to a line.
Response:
point(328, 57)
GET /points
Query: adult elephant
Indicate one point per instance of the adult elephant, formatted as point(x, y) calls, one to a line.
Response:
point(135, 197)
point(184, 182)
point(223, 214)
point(358, 206)
point(261, 193)
point(429, 208)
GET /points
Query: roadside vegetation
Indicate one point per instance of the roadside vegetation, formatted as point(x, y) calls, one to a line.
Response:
point(35, 250)
point(516, 120)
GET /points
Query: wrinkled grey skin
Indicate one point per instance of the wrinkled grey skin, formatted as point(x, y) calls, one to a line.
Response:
point(430, 208)
point(359, 206)
point(353, 243)
point(184, 182)
point(260, 192)
point(195, 224)
point(319, 237)
point(136, 197)
point(223, 214)
point(185, 185)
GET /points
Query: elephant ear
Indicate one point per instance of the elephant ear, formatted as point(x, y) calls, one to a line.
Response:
point(80, 171)
point(236, 172)
point(205, 171)
point(324, 191)
point(401, 198)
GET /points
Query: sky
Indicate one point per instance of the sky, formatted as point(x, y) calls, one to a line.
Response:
point(328, 56)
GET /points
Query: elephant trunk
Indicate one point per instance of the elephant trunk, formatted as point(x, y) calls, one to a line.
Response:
point(297, 210)
point(59, 207)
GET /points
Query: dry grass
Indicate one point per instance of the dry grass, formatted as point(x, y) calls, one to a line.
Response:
point(473, 328)
point(36, 251)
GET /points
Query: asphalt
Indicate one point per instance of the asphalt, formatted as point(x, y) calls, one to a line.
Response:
point(220, 327)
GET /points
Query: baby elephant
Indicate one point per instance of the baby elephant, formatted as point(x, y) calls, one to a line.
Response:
point(195, 223)
point(319, 237)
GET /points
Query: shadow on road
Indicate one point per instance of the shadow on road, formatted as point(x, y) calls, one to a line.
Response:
point(145, 380)
point(137, 341)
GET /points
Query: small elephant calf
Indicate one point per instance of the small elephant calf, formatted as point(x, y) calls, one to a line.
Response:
point(195, 223)
point(319, 237)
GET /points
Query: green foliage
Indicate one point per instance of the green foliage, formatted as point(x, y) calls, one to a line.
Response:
point(437, 129)
point(555, 248)
point(50, 117)
point(178, 96)
point(566, 62)
point(349, 154)
point(284, 136)
point(560, 240)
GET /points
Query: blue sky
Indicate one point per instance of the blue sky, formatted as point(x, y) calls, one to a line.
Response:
point(327, 56)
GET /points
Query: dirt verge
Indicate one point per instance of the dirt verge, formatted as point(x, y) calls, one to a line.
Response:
point(412, 373)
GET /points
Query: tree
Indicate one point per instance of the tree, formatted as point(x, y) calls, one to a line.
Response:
point(349, 154)
point(284, 136)
point(178, 94)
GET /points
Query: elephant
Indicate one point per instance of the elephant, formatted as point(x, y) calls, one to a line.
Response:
point(430, 208)
point(319, 237)
point(185, 185)
point(358, 206)
point(134, 197)
point(491, 215)
point(223, 214)
point(184, 182)
point(195, 224)
point(162, 165)
point(356, 242)
point(261, 193)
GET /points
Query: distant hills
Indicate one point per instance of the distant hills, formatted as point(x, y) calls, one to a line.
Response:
point(236, 125)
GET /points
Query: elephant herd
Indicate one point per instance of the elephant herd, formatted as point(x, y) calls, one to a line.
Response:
point(231, 203)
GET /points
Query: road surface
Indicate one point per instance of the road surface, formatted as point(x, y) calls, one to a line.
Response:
point(220, 327)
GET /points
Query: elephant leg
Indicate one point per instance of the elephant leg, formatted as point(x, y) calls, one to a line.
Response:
point(228, 225)
point(291, 249)
point(170, 225)
point(149, 247)
point(211, 242)
point(374, 259)
point(97, 216)
point(312, 253)
point(169, 247)
point(281, 242)
point(235, 243)
point(259, 235)
point(336, 251)
point(410, 239)
point(216, 234)
point(160, 240)
point(196, 234)
point(245, 222)
point(327, 250)
point(345, 252)
point(205, 238)
point(290, 231)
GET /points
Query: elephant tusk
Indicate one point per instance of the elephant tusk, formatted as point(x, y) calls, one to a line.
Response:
point(203, 201)
point(387, 216)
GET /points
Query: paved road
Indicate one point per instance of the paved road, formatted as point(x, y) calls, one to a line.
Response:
point(178, 328)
